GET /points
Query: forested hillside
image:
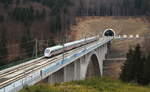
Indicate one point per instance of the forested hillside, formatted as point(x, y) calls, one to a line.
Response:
point(48, 21)
point(113, 7)
point(23, 22)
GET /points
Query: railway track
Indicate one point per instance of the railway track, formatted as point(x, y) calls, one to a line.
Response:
point(16, 69)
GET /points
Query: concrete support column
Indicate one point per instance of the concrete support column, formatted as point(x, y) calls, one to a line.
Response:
point(102, 54)
point(56, 77)
point(101, 60)
point(106, 49)
point(77, 70)
point(69, 73)
point(100, 50)
point(82, 67)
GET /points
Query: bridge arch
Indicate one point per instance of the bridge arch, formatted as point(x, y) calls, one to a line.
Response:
point(109, 32)
point(93, 66)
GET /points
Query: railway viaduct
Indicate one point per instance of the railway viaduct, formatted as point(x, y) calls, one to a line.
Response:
point(86, 66)
point(77, 64)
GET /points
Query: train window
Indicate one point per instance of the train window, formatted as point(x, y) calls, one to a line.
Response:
point(47, 51)
point(58, 49)
point(52, 51)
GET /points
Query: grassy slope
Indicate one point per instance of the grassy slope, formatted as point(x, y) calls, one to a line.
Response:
point(91, 85)
point(121, 25)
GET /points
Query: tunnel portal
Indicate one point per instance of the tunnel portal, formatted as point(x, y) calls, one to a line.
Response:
point(109, 32)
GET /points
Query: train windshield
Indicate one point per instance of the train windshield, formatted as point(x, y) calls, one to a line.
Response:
point(47, 51)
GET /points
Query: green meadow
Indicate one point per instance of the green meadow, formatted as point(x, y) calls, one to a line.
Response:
point(89, 85)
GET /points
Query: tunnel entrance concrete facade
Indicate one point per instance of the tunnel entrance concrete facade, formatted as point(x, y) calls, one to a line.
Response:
point(93, 69)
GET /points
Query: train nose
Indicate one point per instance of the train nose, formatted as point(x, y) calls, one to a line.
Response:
point(46, 54)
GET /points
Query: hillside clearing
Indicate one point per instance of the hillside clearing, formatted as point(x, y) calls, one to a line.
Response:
point(122, 25)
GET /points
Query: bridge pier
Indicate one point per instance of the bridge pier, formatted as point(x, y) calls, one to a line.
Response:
point(56, 77)
point(83, 64)
point(69, 72)
point(77, 70)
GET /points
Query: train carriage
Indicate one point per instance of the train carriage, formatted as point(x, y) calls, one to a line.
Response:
point(68, 46)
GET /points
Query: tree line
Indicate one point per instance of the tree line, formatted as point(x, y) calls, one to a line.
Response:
point(137, 67)
point(113, 7)
point(27, 15)
point(6, 3)
point(3, 47)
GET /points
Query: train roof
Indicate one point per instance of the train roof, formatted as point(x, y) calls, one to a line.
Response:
point(74, 42)
point(68, 44)
point(55, 47)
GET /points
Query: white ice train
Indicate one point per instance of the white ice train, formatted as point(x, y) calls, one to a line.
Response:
point(51, 51)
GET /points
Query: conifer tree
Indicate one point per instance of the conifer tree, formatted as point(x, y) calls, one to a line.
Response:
point(138, 64)
point(3, 47)
point(146, 74)
point(43, 13)
point(1, 18)
point(17, 2)
point(27, 42)
point(127, 71)
point(133, 67)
